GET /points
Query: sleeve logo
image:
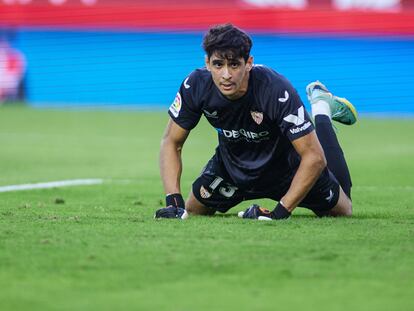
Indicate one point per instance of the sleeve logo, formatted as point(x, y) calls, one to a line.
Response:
point(296, 120)
point(186, 85)
point(284, 99)
point(176, 105)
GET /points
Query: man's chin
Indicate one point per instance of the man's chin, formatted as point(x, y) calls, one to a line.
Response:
point(227, 93)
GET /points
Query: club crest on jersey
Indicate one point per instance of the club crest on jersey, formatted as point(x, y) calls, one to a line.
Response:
point(257, 116)
point(176, 105)
point(204, 193)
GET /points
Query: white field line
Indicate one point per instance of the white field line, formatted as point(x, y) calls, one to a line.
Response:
point(52, 184)
point(382, 188)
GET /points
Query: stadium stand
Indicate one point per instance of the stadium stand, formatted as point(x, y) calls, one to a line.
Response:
point(127, 52)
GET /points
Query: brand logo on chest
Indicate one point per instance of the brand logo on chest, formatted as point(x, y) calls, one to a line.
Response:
point(213, 115)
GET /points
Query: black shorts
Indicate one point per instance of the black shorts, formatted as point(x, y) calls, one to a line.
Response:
point(214, 189)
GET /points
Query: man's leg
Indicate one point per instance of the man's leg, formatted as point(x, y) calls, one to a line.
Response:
point(195, 207)
point(326, 107)
point(333, 152)
point(327, 198)
point(211, 191)
point(343, 207)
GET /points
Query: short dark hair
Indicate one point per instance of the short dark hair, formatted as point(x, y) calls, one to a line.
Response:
point(228, 41)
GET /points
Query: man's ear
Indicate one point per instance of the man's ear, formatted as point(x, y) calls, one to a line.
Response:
point(207, 62)
point(249, 63)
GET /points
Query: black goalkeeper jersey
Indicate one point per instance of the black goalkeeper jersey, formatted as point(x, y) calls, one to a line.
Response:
point(254, 131)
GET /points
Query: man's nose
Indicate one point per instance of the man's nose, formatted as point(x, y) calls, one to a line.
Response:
point(226, 73)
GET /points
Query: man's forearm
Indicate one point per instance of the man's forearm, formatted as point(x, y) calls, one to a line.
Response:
point(307, 174)
point(170, 167)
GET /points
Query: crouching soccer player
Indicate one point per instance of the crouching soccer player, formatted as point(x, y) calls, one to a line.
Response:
point(267, 143)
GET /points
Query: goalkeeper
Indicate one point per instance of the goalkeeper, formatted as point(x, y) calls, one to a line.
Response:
point(268, 147)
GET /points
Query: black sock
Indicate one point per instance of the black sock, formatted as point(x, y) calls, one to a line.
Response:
point(333, 152)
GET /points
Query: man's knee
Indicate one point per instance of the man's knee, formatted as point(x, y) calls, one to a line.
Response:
point(195, 207)
point(197, 210)
point(345, 210)
point(343, 207)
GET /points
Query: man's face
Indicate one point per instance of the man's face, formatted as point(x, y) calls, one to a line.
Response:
point(231, 76)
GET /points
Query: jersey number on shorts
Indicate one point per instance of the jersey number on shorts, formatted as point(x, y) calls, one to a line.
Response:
point(226, 191)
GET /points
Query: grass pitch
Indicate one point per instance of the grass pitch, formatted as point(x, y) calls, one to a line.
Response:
point(98, 247)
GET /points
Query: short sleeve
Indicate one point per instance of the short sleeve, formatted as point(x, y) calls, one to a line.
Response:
point(291, 115)
point(184, 109)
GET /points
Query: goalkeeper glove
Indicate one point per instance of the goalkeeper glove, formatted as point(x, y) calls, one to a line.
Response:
point(257, 212)
point(175, 207)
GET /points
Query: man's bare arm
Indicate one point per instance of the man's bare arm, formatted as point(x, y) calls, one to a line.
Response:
point(170, 156)
point(311, 166)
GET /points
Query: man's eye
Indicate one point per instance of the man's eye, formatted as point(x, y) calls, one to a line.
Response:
point(234, 65)
point(217, 65)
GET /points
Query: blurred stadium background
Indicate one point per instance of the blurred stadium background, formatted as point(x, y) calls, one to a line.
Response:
point(135, 53)
point(96, 247)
